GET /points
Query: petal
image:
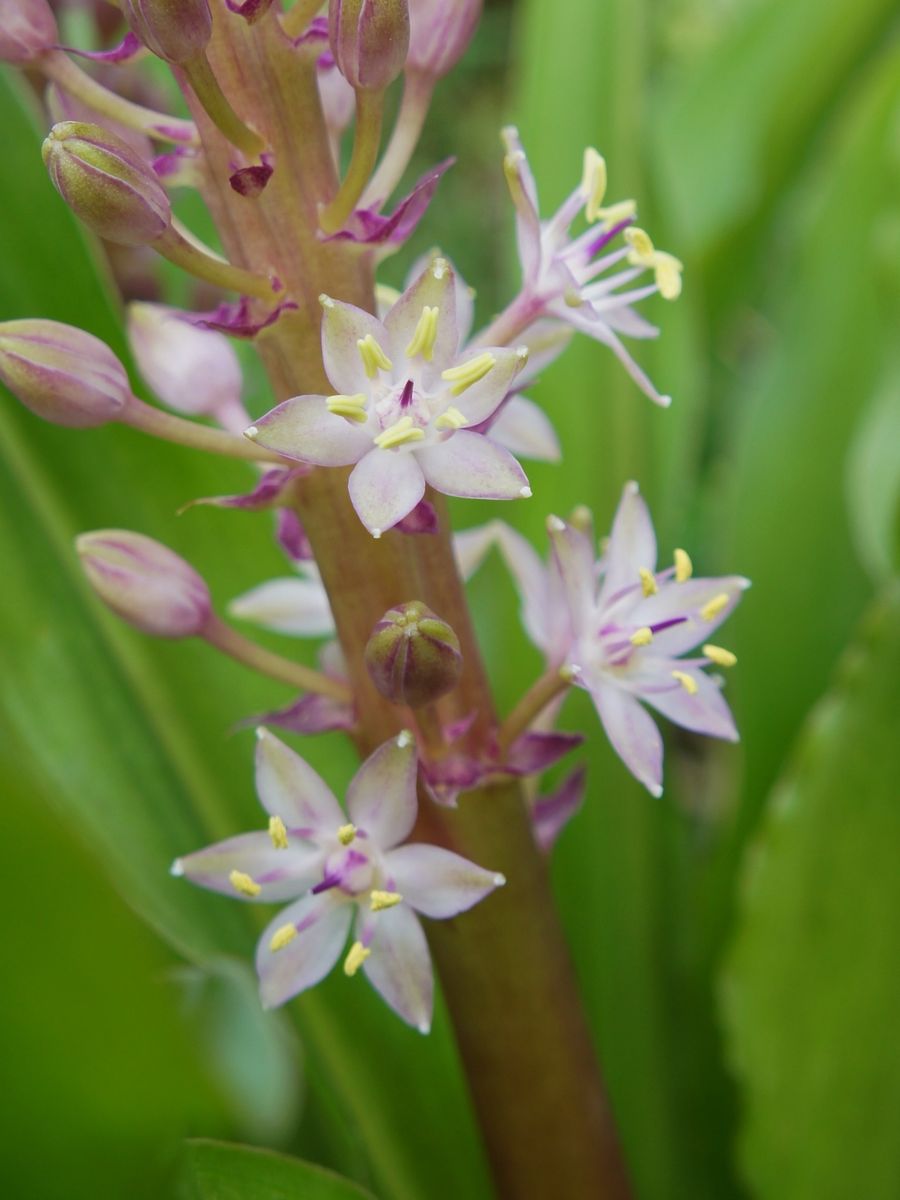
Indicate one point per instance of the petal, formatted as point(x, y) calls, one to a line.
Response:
point(322, 924)
point(538, 750)
point(524, 429)
point(688, 599)
point(281, 874)
point(632, 733)
point(551, 814)
point(384, 486)
point(399, 967)
point(523, 190)
point(289, 788)
point(438, 882)
point(482, 399)
point(294, 606)
point(632, 545)
point(530, 575)
point(587, 321)
point(310, 714)
point(706, 711)
point(343, 325)
point(381, 798)
point(435, 287)
point(573, 554)
point(471, 545)
point(304, 429)
point(546, 339)
point(469, 464)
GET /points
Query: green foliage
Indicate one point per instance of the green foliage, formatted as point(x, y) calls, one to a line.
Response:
point(218, 1171)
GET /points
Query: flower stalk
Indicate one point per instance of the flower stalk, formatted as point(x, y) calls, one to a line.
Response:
point(258, 658)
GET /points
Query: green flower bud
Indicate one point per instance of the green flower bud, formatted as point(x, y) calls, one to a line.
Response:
point(413, 656)
point(176, 30)
point(369, 40)
point(106, 184)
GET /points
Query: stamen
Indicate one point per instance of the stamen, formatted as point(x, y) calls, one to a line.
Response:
point(641, 246)
point(713, 607)
point(346, 834)
point(614, 214)
point(688, 682)
point(451, 419)
point(278, 833)
point(425, 334)
point(684, 568)
point(243, 883)
point(378, 901)
point(720, 656)
point(649, 585)
point(399, 434)
point(465, 374)
point(283, 936)
point(642, 636)
point(351, 407)
point(593, 183)
point(668, 274)
point(356, 956)
point(373, 357)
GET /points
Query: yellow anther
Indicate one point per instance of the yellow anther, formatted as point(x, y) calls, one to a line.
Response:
point(451, 419)
point(425, 334)
point(713, 607)
point(243, 883)
point(648, 582)
point(399, 434)
point(373, 357)
point(688, 682)
point(593, 183)
point(622, 210)
point(356, 956)
point(581, 518)
point(381, 900)
point(351, 407)
point(283, 936)
point(642, 636)
point(668, 274)
point(346, 834)
point(720, 656)
point(684, 568)
point(278, 833)
point(641, 245)
point(465, 374)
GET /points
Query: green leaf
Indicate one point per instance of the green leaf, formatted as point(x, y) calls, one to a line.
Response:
point(812, 989)
point(873, 482)
point(219, 1171)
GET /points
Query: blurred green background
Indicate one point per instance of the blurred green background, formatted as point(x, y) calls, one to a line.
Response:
point(738, 942)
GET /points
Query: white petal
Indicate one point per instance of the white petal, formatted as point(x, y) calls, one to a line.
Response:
point(469, 464)
point(573, 553)
point(381, 798)
point(399, 967)
point(384, 487)
point(304, 429)
point(437, 882)
point(688, 599)
point(483, 398)
point(530, 576)
point(281, 874)
point(343, 325)
point(525, 430)
point(295, 606)
point(434, 287)
point(632, 545)
point(704, 711)
point(289, 788)
point(595, 327)
point(471, 545)
point(322, 924)
point(632, 733)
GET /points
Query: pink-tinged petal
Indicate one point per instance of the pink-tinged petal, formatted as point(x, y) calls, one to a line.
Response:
point(399, 967)
point(280, 874)
point(343, 326)
point(368, 227)
point(243, 319)
point(292, 537)
point(295, 606)
point(626, 320)
point(552, 813)
point(289, 788)
point(525, 430)
point(585, 320)
point(546, 339)
point(381, 798)
point(632, 545)
point(471, 545)
point(266, 494)
point(676, 600)
point(573, 553)
point(310, 714)
point(435, 287)
point(523, 190)
point(437, 882)
point(322, 923)
point(531, 577)
point(537, 751)
point(465, 296)
point(705, 711)
point(422, 519)
point(469, 464)
point(632, 733)
point(304, 429)
point(385, 486)
point(482, 399)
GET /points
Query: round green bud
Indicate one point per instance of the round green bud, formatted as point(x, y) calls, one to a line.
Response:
point(413, 656)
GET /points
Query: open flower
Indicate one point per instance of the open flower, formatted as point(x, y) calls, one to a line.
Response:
point(406, 407)
point(569, 278)
point(341, 869)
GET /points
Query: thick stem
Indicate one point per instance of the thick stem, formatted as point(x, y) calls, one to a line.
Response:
point(285, 670)
point(366, 140)
point(417, 90)
point(171, 428)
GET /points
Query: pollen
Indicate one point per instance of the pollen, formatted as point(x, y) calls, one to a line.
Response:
point(641, 244)
point(668, 274)
point(283, 936)
point(720, 656)
point(684, 568)
point(346, 834)
point(356, 956)
point(425, 334)
point(399, 434)
point(688, 682)
point(378, 901)
point(649, 585)
point(451, 419)
point(713, 607)
point(278, 833)
point(373, 357)
point(623, 210)
point(642, 636)
point(351, 407)
point(244, 883)
point(465, 374)
point(593, 183)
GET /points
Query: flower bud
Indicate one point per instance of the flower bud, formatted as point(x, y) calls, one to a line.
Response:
point(61, 373)
point(439, 32)
point(27, 29)
point(106, 184)
point(413, 656)
point(145, 583)
point(369, 40)
point(176, 30)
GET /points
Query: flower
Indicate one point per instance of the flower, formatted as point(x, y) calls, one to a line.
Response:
point(405, 407)
point(564, 278)
point(340, 869)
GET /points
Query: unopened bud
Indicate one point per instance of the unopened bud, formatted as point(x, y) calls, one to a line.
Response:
point(413, 656)
point(61, 373)
point(369, 40)
point(439, 32)
point(106, 184)
point(145, 583)
point(27, 29)
point(176, 30)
